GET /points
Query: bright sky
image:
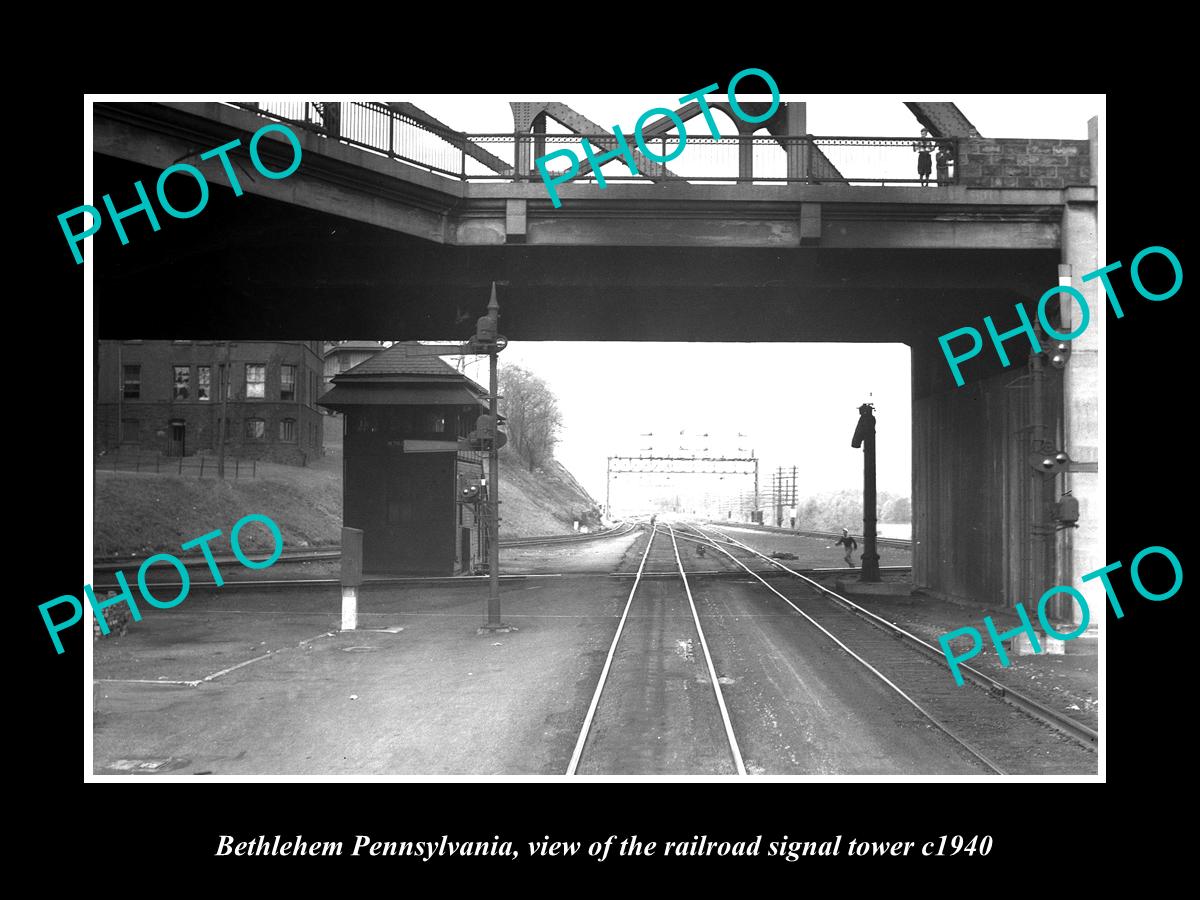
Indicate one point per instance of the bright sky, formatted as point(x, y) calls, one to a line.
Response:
point(878, 115)
point(795, 404)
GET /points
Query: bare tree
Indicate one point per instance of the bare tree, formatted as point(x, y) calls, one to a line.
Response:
point(532, 415)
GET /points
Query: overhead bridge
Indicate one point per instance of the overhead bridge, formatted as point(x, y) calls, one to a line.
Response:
point(397, 225)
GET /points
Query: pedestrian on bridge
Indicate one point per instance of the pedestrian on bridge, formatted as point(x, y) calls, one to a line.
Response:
point(851, 545)
point(923, 148)
point(945, 156)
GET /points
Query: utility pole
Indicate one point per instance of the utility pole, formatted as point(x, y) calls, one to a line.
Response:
point(795, 499)
point(780, 495)
point(864, 436)
point(120, 395)
point(752, 456)
point(223, 386)
point(608, 489)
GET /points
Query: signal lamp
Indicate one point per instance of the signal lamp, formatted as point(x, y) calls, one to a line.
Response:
point(1059, 354)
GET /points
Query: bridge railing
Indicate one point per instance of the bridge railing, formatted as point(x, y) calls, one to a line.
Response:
point(734, 159)
point(759, 159)
point(377, 128)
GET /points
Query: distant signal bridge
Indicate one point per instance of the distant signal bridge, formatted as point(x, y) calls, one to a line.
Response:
point(680, 465)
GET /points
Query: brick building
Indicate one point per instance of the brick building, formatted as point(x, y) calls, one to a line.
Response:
point(165, 396)
point(341, 356)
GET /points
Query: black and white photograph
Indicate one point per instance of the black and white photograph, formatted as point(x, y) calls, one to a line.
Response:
point(709, 434)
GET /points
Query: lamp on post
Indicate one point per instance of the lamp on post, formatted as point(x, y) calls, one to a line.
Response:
point(487, 435)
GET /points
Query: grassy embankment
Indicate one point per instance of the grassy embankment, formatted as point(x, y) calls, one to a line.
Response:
point(137, 514)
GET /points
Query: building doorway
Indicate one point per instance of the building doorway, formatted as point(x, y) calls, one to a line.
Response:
point(176, 438)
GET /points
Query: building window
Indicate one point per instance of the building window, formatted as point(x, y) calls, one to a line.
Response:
point(312, 388)
point(287, 431)
point(256, 381)
point(129, 430)
point(287, 382)
point(203, 382)
point(436, 423)
point(183, 375)
point(133, 382)
point(256, 429)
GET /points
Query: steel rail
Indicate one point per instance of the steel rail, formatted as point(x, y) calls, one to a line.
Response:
point(734, 749)
point(1079, 732)
point(383, 581)
point(839, 570)
point(899, 543)
point(591, 712)
point(712, 672)
point(620, 531)
point(966, 745)
point(111, 565)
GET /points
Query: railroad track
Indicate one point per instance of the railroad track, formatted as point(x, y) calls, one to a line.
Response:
point(301, 556)
point(109, 565)
point(619, 531)
point(899, 543)
point(651, 717)
point(981, 717)
point(730, 569)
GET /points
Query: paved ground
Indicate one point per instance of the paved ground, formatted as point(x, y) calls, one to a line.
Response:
point(433, 698)
point(259, 681)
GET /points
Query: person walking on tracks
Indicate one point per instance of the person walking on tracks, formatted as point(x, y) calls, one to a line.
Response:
point(851, 545)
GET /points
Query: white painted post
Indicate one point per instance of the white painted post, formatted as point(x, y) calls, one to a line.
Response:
point(349, 608)
point(352, 561)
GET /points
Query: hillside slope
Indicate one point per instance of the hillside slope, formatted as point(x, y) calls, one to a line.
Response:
point(547, 501)
point(141, 513)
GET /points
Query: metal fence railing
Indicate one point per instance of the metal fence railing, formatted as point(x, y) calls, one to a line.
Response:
point(192, 466)
point(758, 159)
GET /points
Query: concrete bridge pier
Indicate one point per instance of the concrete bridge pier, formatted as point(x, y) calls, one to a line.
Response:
point(1082, 550)
point(986, 521)
point(983, 516)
